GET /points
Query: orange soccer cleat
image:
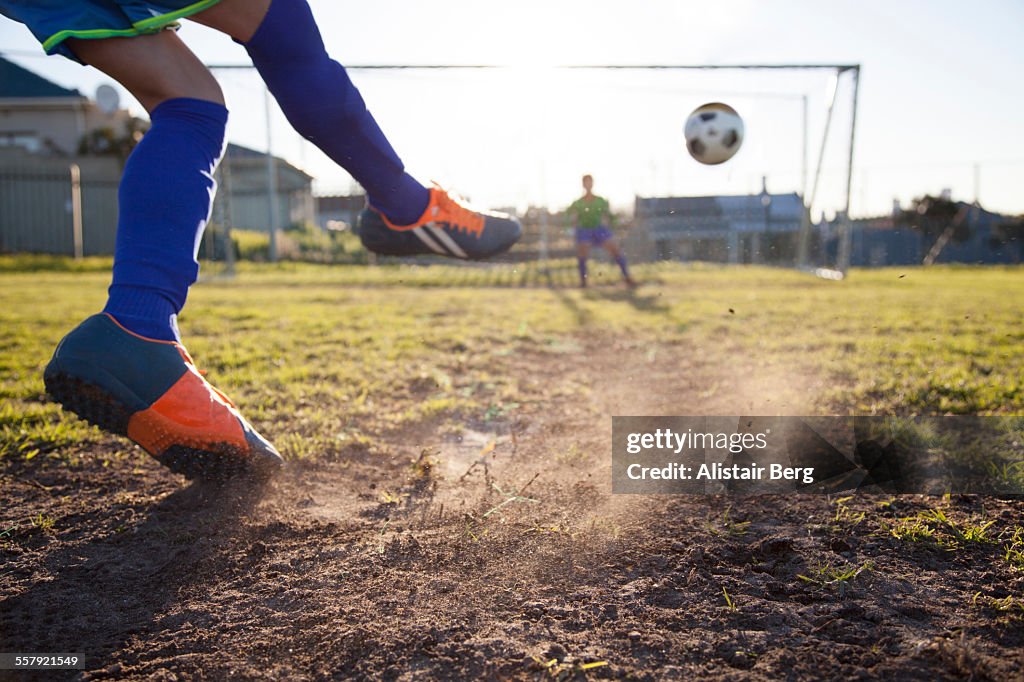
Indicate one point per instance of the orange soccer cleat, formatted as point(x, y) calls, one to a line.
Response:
point(448, 227)
point(151, 391)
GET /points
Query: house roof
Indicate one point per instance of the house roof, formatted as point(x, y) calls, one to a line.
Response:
point(355, 202)
point(744, 213)
point(977, 217)
point(18, 82)
point(782, 205)
point(236, 152)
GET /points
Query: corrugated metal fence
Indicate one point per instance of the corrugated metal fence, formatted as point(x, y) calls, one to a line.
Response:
point(45, 209)
point(59, 208)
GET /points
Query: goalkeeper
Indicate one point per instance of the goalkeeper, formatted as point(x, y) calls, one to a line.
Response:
point(592, 217)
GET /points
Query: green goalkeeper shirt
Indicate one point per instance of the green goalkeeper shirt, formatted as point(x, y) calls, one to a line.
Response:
point(589, 214)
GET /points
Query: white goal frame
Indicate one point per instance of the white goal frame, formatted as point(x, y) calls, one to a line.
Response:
point(803, 255)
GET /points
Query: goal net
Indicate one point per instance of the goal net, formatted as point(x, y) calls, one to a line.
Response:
point(520, 138)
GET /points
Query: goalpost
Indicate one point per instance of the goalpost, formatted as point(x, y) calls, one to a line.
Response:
point(842, 263)
point(637, 124)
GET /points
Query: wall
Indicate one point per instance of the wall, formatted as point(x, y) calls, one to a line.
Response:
point(35, 204)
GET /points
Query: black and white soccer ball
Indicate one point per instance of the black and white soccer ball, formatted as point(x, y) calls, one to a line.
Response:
point(714, 133)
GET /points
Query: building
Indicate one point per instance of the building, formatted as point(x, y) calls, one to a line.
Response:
point(46, 187)
point(339, 212)
point(61, 158)
point(881, 241)
point(242, 197)
point(759, 228)
point(41, 117)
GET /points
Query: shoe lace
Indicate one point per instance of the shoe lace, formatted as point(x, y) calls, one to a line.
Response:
point(457, 214)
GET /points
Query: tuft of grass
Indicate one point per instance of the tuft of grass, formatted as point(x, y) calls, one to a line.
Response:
point(727, 525)
point(962, 532)
point(1014, 549)
point(1009, 475)
point(728, 600)
point(566, 670)
point(1010, 606)
point(936, 527)
point(43, 522)
point(839, 577)
point(36, 263)
point(573, 456)
point(510, 497)
point(911, 529)
point(844, 515)
point(913, 434)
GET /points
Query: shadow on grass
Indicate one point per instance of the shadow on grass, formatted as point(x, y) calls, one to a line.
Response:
point(642, 302)
point(645, 303)
point(582, 315)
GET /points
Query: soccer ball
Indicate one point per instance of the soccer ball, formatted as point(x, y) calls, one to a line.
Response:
point(714, 133)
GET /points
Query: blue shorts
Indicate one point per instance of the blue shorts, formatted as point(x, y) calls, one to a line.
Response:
point(593, 235)
point(54, 21)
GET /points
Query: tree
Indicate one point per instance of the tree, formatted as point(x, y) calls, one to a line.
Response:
point(1010, 234)
point(933, 216)
point(105, 142)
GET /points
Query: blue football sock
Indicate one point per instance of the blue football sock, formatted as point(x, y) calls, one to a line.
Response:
point(581, 263)
point(621, 260)
point(164, 202)
point(324, 106)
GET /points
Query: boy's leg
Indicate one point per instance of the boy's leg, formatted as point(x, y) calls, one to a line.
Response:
point(323, 105)
point(318, 98)
point(154, 68)
point(582, 253)
point(612, 247)
point(125, 370)
point(167, 186)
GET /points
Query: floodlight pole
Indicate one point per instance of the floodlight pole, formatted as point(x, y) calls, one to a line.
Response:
point(846, 234)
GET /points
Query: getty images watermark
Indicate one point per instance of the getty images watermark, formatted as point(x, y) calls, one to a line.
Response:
point(751, 455)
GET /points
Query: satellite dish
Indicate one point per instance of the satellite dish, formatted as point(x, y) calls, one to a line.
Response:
point(107, 98)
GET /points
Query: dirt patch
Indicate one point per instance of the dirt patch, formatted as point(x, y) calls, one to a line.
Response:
point(497, 551)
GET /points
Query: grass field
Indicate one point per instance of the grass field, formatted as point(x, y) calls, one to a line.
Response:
point(481, 378)
point(298, 343)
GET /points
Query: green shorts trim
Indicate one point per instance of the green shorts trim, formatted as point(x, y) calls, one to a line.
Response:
point(145, 27)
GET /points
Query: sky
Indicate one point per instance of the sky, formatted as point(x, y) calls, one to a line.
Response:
point(939, 102)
